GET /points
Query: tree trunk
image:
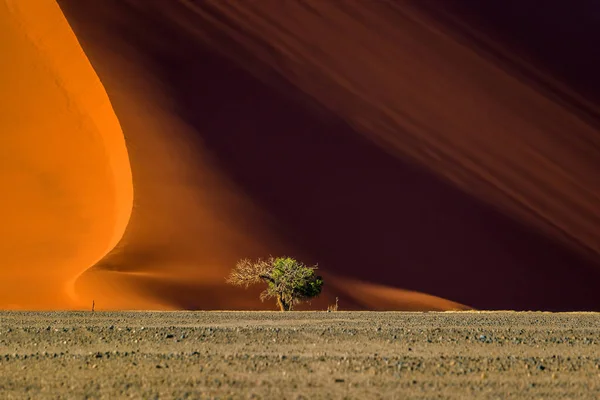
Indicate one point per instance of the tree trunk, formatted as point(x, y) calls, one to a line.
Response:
point(283, 306)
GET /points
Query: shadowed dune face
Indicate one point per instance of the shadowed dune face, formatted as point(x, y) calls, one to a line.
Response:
point(412, 88)
point(309, 112)
point(560, 38)
point(64, 173)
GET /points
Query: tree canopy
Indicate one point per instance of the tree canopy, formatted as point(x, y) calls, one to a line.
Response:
point(288, 280)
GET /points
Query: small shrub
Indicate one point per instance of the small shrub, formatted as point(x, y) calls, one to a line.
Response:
point(333, 307)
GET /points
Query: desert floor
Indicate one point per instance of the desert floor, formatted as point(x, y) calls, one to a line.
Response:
point(362, 355)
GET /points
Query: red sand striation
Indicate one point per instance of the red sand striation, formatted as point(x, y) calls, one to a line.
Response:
point(390, 141)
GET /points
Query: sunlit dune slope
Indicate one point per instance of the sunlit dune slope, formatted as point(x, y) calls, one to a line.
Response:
point(291, 122)
point(65, 180)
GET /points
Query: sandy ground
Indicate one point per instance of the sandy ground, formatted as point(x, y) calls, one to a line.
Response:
point(308, 355)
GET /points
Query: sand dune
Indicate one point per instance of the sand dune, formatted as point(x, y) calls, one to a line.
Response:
point(64, 171)
point(384, 140)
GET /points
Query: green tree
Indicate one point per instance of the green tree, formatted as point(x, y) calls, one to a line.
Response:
point(288, 281)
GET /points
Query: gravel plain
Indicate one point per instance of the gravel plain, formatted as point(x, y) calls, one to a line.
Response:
point(309, 355)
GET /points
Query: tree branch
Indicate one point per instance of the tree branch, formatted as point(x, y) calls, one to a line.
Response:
point(267, 278)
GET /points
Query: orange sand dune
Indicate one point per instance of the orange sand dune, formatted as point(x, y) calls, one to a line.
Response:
point(64, 171)
point(267, 105)
point(382, 139)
